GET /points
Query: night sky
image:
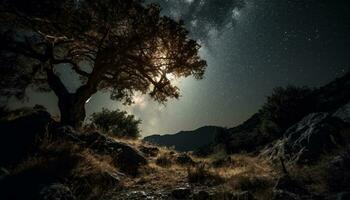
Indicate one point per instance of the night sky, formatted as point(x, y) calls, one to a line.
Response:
point(251, 47)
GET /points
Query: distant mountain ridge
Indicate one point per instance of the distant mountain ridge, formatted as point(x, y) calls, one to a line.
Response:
point(186, 140)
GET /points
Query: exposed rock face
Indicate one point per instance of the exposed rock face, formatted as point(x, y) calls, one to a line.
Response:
point(56, 191)
point(308, 139)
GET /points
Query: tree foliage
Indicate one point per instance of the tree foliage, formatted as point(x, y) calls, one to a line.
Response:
point(113, 45)
point(285, 107)
point(117, 123)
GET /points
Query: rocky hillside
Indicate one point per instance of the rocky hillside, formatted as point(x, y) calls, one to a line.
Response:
point(187, 140)
point(42, 159)
point(248, 136)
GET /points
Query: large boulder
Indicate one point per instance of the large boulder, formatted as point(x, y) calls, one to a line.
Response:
point(125, 157)
point(305, 141)
point(18, 136)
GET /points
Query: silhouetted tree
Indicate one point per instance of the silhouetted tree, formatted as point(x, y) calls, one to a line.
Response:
point(117, 123)
point(285, 107)
point(112, 45)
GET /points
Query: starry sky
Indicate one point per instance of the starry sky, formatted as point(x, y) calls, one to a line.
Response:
point(251, 46)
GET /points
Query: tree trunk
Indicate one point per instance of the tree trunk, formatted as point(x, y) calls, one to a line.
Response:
point(71, 105)
point(72, 109)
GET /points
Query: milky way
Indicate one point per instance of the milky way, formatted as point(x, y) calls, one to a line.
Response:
point(251, 47)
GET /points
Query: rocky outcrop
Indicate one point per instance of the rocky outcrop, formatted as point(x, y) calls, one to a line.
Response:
point(18, 139)
point(315, 134)
point(125, 157)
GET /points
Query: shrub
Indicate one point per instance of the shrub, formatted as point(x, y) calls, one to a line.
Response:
point(285, 107)
point(202, 175)
point(163, 161)
point(117, 123)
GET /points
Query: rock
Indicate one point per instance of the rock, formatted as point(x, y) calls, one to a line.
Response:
point(184, 159)
point(127, 158)
point(181, 193)
point(56, 191)
point(305, 141)
point(339, 173)
point(18, 136)
point(149, 151)
point(201, 195)
point(343, 113)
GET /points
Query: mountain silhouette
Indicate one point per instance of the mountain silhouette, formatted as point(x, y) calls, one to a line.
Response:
point(186, 140)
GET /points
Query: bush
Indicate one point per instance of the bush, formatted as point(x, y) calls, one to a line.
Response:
point(117, 123)
point(285, 107)
point(202, 175)
point(163, 161)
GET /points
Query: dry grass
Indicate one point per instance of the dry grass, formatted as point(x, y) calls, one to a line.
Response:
point(88, 175)
point(202, 174)
point(245, 172)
